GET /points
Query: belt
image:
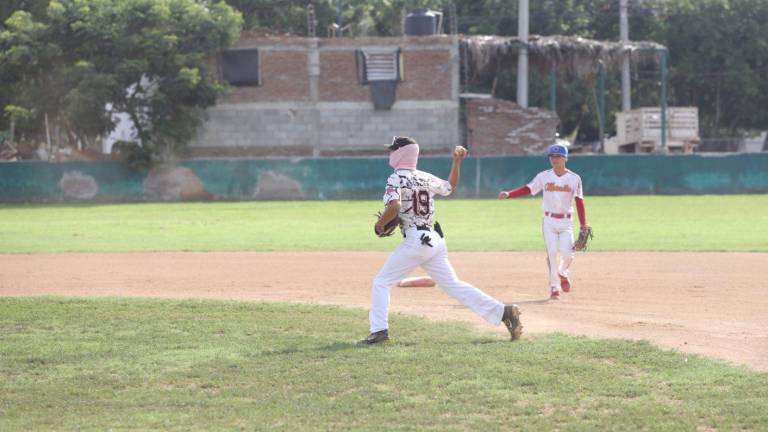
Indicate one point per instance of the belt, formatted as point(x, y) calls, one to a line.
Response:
point(417, 228)
point(436, 228)
point(558, 215)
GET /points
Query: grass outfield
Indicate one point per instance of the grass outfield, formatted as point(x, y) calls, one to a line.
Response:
point(629, 223)
point(115, 364)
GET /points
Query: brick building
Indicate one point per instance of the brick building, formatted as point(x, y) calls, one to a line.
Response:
point(316, 97)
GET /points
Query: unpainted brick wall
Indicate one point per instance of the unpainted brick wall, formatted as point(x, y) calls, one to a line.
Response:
point(295, 114)
point(427, 64)
point(427, 75)
point(284, 78)
point(500, 127)
point(338, 78)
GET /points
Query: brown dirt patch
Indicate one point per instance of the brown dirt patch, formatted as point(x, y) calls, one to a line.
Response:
point(713, 304)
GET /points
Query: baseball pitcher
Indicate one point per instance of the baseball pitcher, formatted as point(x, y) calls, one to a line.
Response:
point(410, 196)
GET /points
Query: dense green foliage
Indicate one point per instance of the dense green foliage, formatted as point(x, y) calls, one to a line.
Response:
point(632, 223)
point(115, 364)
point(68, 58)
point(147, 58)
point(719, 54)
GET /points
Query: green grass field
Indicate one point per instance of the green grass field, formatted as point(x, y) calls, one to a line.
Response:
point(119, 364)
point(655, 223)
point(115, 364)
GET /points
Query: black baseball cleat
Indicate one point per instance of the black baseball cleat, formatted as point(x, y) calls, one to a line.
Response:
point(376, 337)
point(511, 319)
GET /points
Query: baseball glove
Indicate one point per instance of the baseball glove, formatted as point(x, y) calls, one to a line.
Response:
point(585, 235)
point(389, 228)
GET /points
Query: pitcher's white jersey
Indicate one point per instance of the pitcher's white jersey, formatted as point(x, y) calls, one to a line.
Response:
point(422, 246)
point(416, 190)
point(559, 192)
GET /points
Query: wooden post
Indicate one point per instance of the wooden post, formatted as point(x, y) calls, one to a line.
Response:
point(553, 89)
point(48, 137)
point(601, 105)
point(664, 55)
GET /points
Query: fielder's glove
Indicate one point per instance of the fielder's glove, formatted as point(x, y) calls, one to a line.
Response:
point(585, 235)
point(389, 228)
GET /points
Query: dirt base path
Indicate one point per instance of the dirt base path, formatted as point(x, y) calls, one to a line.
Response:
point(714, 304)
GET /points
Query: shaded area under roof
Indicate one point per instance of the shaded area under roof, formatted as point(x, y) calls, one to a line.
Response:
point(572, 56)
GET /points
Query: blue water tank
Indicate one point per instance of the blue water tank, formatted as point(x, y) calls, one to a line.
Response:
point(423, 22)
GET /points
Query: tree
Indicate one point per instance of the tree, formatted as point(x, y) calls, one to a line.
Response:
point(273, 16)
point(8, 7)
point(364, 17)
point(148, 58)
point(719, 57)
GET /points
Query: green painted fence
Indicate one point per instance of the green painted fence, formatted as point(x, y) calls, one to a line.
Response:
point(363, 178)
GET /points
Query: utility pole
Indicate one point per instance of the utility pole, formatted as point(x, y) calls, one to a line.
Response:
point(339, 18)
point(626, 89)
point(522, 54)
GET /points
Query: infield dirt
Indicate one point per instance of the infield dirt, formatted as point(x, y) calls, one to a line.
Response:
point(712, 304)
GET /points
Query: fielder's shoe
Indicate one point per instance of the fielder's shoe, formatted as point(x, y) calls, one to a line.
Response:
point(511, 319)
point(376, 337)
point(554, 294)
point(565, 283)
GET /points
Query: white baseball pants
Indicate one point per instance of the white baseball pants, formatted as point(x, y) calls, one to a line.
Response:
point(410, 254)
point(558, 237)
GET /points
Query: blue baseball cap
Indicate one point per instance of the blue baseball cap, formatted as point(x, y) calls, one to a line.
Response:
point(558, 149)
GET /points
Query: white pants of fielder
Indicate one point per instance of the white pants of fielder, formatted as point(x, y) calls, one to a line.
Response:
point(558, 237)
point(410, 254)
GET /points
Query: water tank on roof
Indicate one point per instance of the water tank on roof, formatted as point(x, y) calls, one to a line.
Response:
point(423, 22)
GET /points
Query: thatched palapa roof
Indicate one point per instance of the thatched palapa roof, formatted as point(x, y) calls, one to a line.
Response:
point(572, 56)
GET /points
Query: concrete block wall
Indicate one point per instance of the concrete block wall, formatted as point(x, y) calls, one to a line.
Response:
point(325, 129)
point(311, 103)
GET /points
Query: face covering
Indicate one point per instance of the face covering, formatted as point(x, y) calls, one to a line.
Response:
point(405, 157)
